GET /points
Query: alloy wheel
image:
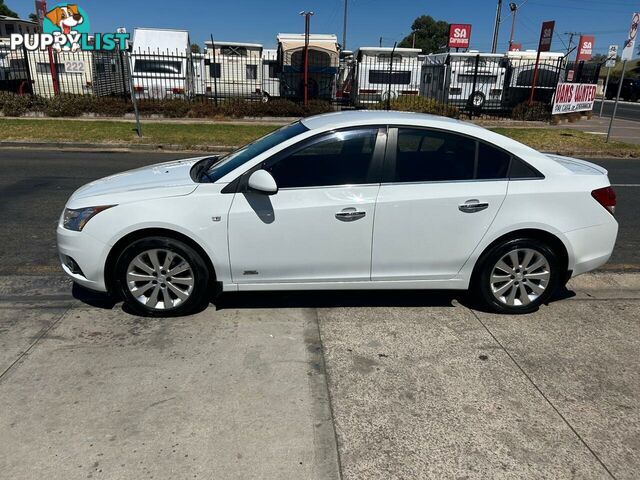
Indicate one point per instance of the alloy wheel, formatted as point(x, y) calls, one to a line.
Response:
point(520, 277)
point(160, 279)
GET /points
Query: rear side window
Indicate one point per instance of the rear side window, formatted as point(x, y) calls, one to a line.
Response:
point(431, 156)
point(493, 163)
point(435, 156)
point(522, 170)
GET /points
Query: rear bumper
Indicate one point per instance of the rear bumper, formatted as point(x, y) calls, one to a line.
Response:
point(88, 253)
point(592, 246)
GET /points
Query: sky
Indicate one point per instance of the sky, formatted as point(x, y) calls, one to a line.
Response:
point(259, 21)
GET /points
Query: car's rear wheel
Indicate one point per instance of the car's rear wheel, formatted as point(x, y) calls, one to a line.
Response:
point(518, 276)
point(162, 277)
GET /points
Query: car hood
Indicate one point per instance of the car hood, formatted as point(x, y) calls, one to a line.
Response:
point(168, 179)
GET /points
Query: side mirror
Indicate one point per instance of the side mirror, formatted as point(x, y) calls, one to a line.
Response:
point(261, 181)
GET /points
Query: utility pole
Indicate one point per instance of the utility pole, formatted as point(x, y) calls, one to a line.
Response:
point(571, 35)
point(496, 28)
point(514, 10)
point(344, 26)
point(413, 40)
point(380, 42)
point(307, 27)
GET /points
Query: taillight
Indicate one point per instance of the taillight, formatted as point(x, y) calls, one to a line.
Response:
point(606, 197)
point(177, 91)
point(139, 89)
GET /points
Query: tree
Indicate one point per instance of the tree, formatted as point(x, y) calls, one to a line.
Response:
point(4, 10)
point(34, 17)
point(431, 35)
point(195, 48)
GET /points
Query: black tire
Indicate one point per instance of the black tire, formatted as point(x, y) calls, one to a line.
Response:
point(199, 295)
point(482, 286)
point(481, 100)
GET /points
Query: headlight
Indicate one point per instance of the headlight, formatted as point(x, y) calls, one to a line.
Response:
point(77, 219)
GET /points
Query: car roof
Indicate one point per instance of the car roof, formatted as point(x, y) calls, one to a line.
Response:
point(377, 117)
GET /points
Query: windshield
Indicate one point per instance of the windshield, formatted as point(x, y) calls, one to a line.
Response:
point(246, 153)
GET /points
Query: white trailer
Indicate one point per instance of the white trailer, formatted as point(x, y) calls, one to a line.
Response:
point(72, 70)
point(270, 73)
point(161, 63)
point(379, 76)
point(323, 61)
point(467, 80)
point(234, 70)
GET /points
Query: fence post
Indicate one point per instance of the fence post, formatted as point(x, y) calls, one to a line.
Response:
point(215, 78)
point(133, 95)
point(604, 92)
point(473, 88)
point(393, 51)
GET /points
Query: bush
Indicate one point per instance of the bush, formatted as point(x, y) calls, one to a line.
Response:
point(169, 107)
point(13, 105)
point(203, 110)
point(420, 105)
point(537, 111)
point(67, 105)
point(316, 107)
point(111, 106)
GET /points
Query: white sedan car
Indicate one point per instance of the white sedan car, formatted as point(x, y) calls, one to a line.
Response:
point(352, 200)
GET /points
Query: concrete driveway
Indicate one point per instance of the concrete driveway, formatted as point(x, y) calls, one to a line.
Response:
point(320, 385)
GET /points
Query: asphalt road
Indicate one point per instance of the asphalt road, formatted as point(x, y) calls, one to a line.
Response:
point(35, 185)
point(626, 110)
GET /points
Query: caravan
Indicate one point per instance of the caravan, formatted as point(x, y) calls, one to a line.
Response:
point(323, 61)
point(270, 73)
point(234, 70)
point(161, 63)
point(468, 80)
point(379, 76)
point(73, 72)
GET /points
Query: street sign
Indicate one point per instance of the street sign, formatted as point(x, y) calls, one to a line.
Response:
point(629, 43)
point(546, 35)
point(585, 48)
point(515, 47)
point(612, 56)
point(459, 35)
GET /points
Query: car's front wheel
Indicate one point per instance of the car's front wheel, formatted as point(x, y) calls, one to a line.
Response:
point(162, 277)
point(518, 276)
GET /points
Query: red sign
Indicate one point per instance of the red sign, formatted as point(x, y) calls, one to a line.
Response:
point(459, 35)
point(546, 35)
point(574, 97)
point(515, 47)
point(585, 47)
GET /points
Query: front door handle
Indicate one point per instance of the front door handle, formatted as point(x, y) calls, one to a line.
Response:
point(473, 206)
point(350, 214)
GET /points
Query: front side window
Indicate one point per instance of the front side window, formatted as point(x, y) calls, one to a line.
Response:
point(338, 158)
point(252, 150)
point(432, 156)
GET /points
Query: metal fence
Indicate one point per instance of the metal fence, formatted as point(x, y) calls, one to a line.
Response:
point(468, 84)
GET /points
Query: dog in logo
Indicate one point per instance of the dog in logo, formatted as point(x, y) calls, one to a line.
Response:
point(66, 19)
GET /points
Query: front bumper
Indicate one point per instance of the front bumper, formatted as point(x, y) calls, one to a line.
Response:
point(88, 253)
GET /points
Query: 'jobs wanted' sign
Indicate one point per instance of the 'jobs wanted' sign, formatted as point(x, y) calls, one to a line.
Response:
point(574, 97)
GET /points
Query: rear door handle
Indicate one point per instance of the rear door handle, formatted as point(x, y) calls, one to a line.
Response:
point(350, 214)
point(473, 206)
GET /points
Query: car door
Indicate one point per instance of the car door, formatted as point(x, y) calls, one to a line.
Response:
point(439, 195)
point(318, 227)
